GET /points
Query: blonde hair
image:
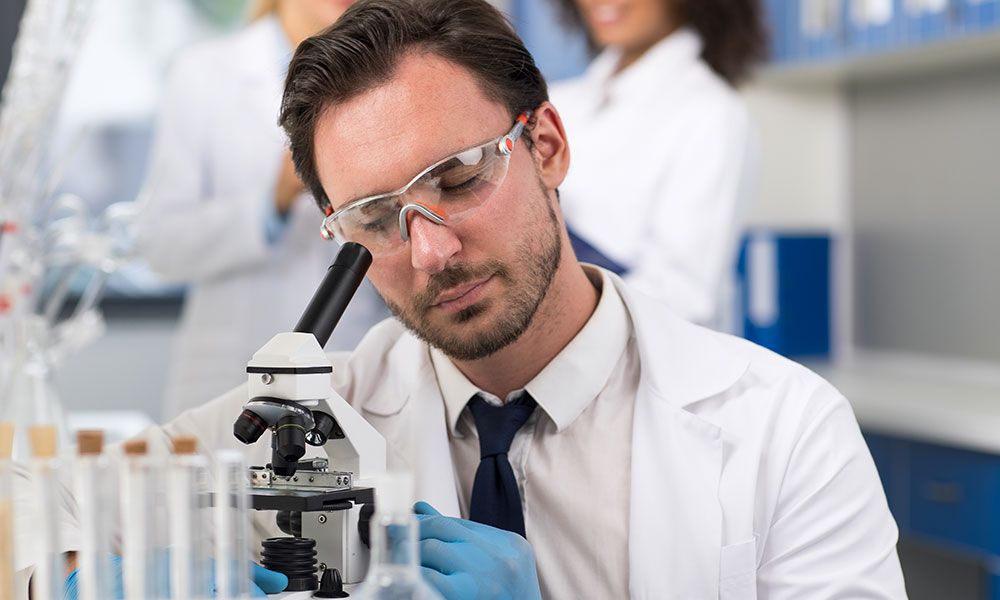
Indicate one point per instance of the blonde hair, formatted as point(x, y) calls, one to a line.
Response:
point(262, 8)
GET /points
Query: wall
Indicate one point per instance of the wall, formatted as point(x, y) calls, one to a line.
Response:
point(126, 368)
point(925, 204)
point(802, 139)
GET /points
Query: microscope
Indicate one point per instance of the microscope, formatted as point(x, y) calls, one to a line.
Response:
point(324, 504)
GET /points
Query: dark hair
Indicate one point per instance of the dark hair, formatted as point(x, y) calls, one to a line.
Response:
point(733, 32)
point(363, 48)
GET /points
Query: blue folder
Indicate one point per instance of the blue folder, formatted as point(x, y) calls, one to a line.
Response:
point(868, 36)
point(794, 317)
point(927, 26)
point(977, 17)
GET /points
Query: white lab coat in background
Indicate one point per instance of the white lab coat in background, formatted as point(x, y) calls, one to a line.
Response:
point(215, 164)
point(661, 164)
point(750, 478)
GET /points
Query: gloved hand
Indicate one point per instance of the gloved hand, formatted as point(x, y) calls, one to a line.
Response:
point(263, 581)
point(465, 560)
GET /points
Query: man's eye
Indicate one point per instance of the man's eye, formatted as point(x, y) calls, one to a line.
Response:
point(377, 225)
point(462, 186)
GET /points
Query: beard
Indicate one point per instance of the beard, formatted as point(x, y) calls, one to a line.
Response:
point(526, 280)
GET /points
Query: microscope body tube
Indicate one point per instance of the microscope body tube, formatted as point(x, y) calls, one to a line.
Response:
point(190, 571)
point(339, 285)
point(231, 526)
point(93, 487)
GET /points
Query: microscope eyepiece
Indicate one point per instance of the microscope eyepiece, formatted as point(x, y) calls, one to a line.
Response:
point(249, 427)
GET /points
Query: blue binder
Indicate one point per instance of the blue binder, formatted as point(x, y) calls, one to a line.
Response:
point(785, 292)
point(820, 24)
point(783, 28)
point(922, 26)
point(979, 16)
point(866, 35)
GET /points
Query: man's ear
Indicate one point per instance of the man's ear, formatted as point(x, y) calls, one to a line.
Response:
point(550, 149)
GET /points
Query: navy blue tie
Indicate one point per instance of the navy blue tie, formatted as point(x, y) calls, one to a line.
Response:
point(495, 499)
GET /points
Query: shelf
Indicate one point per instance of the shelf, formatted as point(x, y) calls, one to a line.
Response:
point(968, 51)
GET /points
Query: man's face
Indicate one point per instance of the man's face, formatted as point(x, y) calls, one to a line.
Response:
point(472, 288)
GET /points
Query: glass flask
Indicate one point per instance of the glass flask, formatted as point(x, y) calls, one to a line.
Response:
point(394, 569)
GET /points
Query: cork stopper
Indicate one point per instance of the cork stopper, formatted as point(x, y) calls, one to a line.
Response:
point(90, 442)
point(6, 440)
point(43, 441)
point(185, 445)
point(135, 448)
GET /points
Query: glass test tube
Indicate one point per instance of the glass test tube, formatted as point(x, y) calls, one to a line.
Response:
point(6, 513)
point(232, 527)
point(190, 571)
point(93, 484)
point(144, 560)
point(50, 565)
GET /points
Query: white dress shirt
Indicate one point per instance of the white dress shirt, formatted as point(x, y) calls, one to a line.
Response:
point(572, 458)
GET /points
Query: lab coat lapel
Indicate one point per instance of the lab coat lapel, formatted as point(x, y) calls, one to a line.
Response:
point(435, 471)
point(675, 523)
point(422, 441)
point(675, 528)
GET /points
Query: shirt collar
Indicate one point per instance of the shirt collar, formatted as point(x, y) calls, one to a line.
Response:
point(573, 379)
point(683, 46)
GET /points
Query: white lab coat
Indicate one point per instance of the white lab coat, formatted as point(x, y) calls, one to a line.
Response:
point(750, 478)
point(214, 167)
point(662, 162)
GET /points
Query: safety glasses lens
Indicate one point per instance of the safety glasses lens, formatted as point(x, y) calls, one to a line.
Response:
point(452, 189)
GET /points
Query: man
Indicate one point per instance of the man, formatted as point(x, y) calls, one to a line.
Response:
point(639, 455)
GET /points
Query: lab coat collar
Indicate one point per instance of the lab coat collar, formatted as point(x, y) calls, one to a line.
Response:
point(681, 362)
point(660, 63)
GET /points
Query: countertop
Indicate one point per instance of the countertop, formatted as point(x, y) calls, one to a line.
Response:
point(938, 400)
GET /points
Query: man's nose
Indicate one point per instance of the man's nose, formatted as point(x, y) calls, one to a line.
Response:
point(431, 245)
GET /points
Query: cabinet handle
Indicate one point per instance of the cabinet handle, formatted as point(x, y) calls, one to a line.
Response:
point(942, 492)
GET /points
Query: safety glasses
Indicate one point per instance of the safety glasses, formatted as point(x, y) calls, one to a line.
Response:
point(445, 193)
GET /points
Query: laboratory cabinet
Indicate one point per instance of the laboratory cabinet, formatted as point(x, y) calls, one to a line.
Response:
point(945, 497)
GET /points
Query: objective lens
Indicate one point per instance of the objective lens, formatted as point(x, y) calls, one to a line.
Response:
point(326, 427)
point(249, 427)
point(290, 438)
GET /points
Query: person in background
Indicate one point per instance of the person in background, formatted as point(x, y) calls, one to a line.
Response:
point(662, 144)
point(225, 212)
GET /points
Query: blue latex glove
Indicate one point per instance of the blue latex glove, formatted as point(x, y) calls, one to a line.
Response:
point(71, 591)
point(263, 581)
point(464, 560)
